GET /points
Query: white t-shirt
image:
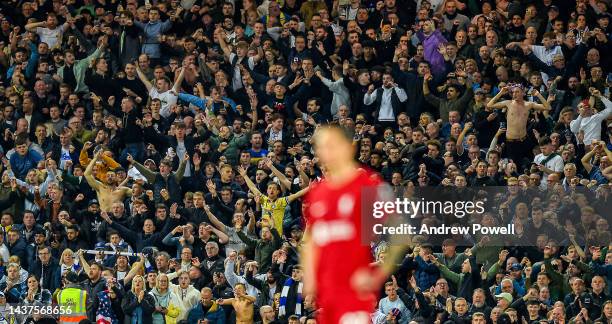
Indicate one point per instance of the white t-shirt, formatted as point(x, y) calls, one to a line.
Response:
point(167, 100)
point(556, 164)
point(53, 37)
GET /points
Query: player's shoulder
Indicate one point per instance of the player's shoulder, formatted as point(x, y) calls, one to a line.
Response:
point(318, 190)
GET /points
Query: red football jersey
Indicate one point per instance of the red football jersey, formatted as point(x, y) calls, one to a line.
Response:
point(335, 221)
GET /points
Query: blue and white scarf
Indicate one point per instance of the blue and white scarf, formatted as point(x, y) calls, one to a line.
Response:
point(283, 298)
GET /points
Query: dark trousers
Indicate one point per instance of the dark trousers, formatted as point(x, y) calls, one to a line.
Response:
point(520, 152)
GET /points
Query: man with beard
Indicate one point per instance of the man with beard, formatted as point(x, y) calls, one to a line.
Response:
point(479, 302)
point(73, 239)
point(270, 241)
point(452, 18)
point(268, 287)
point(453, 100)
point(107, 193)
point(131, 84)
point(88, 217)
point(15, 244)
point(572, 96)
point(388, 100)
point(93, 285)
point(479, 177)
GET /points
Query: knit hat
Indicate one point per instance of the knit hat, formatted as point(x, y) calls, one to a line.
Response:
point(72, 277)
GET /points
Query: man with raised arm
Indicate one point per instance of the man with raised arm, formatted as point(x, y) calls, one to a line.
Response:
point(517, 111)
point(109, 192)
point(166, 184)
point(589, 120)
point(163, 90)
point(272, 205)
point(242, 303)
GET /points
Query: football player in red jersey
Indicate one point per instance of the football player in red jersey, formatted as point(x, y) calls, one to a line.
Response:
point(336, 260)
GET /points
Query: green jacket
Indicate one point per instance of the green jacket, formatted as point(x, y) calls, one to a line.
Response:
point(263, 248)
point(453, 277)
point(234, 145)
point(487, 255)
point(453, 263)
point(558, 285)
point(80, 67)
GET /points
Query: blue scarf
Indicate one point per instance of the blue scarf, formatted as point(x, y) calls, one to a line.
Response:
point(282, 311)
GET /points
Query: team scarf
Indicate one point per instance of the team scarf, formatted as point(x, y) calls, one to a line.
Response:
point(283, 298)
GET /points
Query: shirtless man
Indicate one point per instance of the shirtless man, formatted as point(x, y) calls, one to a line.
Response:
point(242, 303)
point(518, 148)
point(107, 193)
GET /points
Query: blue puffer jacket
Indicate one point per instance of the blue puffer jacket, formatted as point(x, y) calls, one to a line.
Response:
point(214, 315)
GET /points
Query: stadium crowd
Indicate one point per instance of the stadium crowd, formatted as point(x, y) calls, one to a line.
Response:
point(156, 154)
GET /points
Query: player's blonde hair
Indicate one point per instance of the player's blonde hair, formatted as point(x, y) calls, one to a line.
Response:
point(345, 132)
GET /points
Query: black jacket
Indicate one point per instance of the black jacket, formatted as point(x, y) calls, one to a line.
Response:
point(19, 249)
point(140, 240)
point(102, 232)
point(47, 274)
point(92, 289)
point(130, 303)
point(292, 295)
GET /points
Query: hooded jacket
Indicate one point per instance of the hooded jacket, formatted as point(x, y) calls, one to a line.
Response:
point(186, 299)
point(167, 300)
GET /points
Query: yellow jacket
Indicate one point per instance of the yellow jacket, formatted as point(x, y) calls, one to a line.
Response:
point(107, 164)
